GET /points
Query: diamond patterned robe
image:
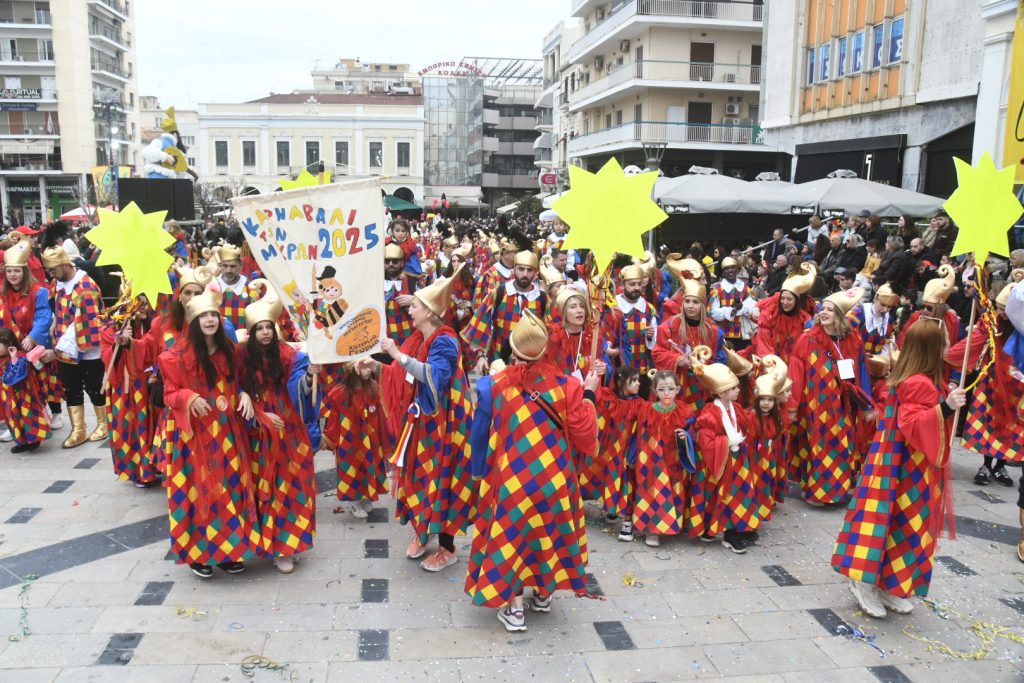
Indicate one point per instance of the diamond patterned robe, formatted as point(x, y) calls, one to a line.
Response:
point(530, 530)
point(355, 421)
point(722, 495)
point(130, 413)
point(892, 525)
point(662, 485)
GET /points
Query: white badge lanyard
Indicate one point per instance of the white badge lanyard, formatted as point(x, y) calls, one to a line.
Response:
point(845, 365)
point(576, 358)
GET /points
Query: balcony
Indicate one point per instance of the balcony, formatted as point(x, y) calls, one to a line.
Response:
point(27, 63)
point(113, 7)
point(40, 19)
point(675, 135)
point(633, 17)
point(630, 78)
point(111, 69)
point(545, 120)
point(111, 36)
point(491, 117)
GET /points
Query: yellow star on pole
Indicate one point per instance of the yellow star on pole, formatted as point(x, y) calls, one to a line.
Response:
point(136, 242)
point(984, 208)
point(609, 211)
point(305, 179)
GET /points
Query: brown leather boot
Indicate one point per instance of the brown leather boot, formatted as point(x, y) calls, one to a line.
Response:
point(78, 435)
point(102, 430)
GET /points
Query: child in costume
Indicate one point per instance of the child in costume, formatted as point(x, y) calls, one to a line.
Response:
point(767, 448)
point(622, 408)
point(22, 396)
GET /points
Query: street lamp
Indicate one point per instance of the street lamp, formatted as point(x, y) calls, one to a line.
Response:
point(110, 112)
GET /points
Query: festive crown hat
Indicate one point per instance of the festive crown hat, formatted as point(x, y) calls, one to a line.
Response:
point(529, 336)
point(54, 256)
point(200, 275)
point(266, 308)
point(438, 295)
point(18, 254)
point(802, 280)
point(845, 300)
point(167, 123)
point(886, 296)
point(631, 272)
point(508, 245)
point(493, 246)
point(451, 241)
point(1016, 275)
point(463, 252)
point(227, 252)
point(649, 265)
point(526, 258)
point(878, 365)
point(567, 294)
point(551, 276)
point(772, 364)
point(730, 262)
point(695, 289)
point(937, 291)
point(206, 302)
point(714, 377)
point(739, 365)
point(684, 268)
point(768, 385)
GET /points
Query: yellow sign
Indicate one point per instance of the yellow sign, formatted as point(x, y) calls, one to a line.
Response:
point(1013, 151)
point(983, 207)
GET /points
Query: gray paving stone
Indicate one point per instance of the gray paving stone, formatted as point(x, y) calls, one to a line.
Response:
point(779, 625)
point(311, 646)
point(53, 651)
point(126, 674)
point(766, 657)
point(202, 648)
point(685, 631)
point(515, 669)
point(425, 670)
point(666, 664)
point(264, 619)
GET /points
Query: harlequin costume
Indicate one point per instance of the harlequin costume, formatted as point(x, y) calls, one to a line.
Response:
point(490, 328)
point(130, 411)
point(23, 400)
point(282, 459)
point(356, 425)
point(662, 481)
point(823, 443)
point(492, 278)
point(398, 319)
point(530, 530)
point(211, 494)
point(778, 330)
point(235, 296)
point(628, 322)
point(612, 474)
point(767, 447)
point(411, 252)
point(875, 329)
point(723, 296)
point(891, 527)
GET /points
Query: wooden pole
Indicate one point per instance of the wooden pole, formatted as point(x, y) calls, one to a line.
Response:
point(963, 367)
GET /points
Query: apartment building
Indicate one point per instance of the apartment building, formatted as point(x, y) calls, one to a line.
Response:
point(68, 103)
point(351, 76)
point(554, 122)
point(676, 80)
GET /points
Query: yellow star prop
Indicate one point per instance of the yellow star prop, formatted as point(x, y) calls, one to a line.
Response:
point(984, 208)
point(609, 211)
point(305, 179)
point(136, 242)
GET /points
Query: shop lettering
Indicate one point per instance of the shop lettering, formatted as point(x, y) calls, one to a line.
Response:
point(454, 69)
point(20, 94)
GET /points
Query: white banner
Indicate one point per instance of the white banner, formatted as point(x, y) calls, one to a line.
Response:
point(324, 244)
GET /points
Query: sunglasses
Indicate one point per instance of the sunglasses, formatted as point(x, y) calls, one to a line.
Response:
point(392, 260)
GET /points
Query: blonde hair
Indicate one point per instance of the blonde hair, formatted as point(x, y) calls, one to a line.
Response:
point(843, 328)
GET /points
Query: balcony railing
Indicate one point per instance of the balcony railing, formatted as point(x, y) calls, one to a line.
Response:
point(667, 133)
point(681, 9)
point(111, 68)
point(116, 5)
point(26, 57)
point(110, 33)
point(671, 72)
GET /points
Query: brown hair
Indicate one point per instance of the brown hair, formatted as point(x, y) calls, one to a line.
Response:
point(26, 281)
point(922, 352)
point(664, 375)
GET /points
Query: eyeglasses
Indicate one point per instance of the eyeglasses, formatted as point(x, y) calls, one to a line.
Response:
point(392, 260)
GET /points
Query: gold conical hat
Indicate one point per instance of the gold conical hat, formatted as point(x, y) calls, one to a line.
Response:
point(565, 295)
point(802, 280)
point(768, 385)
point(739, 365)
point(886, 296)
point(392, 250)
point(18, 254)
point(526, 258)
point(878, 365)
point(551, 276)
point(632, 272)
point(937, 291)
point(529, 336)
point(54, 256)
point(846, 300)
point(1016, 275)
point(714, 377)
point(266, 308)
point(200, 275)
point(695, 289)
point(206, 302)
point(438, 295)
point(228, 252)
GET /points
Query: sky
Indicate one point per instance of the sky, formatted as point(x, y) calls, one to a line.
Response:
point(193, 51)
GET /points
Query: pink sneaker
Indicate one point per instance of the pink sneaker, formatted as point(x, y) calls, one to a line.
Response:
point(416, 550)
point(442, 559)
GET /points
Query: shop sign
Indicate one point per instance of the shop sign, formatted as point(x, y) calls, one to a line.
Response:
point(20, 94)
point(453, 69)
point(14, 106)
point(548, 179)
point(26, 147)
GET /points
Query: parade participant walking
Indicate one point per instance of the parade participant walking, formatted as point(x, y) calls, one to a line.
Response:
point(731, 303)
point(904, 496)
point(77, 306)
point(25, 311)
point(571, 341)
point(530, 528)
point(831, 392)
point(22, 397)
point(784, 314)
point(210, 490)
point(232, 283)
point(499, 272)
point(490, 328)
point(933, 304)
point(613, 474)
point(874, 322)
point(431, 413)
point(398, 289)
point(634, 325)
point(279, 379)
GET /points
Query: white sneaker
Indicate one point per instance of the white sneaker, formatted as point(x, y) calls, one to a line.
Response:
point(285, 565)
point(367, 505)
point(514, 620)
point(896, 604)
point(868, 599)
point(357, 510)
point(6, 436)
point(652, 540)
point(57, 422)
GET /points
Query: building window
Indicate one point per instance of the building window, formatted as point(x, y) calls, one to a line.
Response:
point(857, 64)
point(607, 120)
point(618, 118)
point(896, 41)
point(284, 153)
point(312, 152)
point(841, 57)
point(404, 154)
point(823, 62)
point(157, 120)
point(376, 155)
point(191, 162)
point(878, 34)
point(220, 152)
point(341, 153)
point(248, 152)
point(810, 66)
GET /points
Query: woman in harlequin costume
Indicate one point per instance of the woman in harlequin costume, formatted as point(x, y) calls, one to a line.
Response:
point(874, 322)
point(163, 334)
point(279, 379)
point(681, 334)
point(683, 269)
point(211, 494)
point(995, 417)
point(356, 429)
point(904, 496)
point(784, 314)
point(933, 305)
point(22, 396)
point(130, 412)
point(663, 464)
point(25, 311)
point(530, 530)
point(434, 488)
point(722, 495)
point(831, 393)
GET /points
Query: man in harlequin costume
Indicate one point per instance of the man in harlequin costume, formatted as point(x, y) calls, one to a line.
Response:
point(232, 283)
point(531, 420)
point(399, 287)
point(77, 305)
point(499, 272)
point(490, 328)
point(633, 324)
point(730, 301)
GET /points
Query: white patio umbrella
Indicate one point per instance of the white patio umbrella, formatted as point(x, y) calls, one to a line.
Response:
point(853, 195)
point(715, 193)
